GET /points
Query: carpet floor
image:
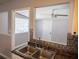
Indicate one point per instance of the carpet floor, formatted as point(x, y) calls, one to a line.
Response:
point(1, 57)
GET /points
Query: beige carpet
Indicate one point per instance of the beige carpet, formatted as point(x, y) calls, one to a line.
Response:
point(1, 57)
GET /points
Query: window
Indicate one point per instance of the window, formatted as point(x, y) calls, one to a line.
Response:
point(51, 23)
point(21, 22)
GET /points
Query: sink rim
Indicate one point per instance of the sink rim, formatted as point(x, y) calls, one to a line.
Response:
point(18, 52)
point(53, 53)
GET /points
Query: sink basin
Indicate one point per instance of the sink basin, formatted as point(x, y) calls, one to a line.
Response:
point(29, 52)
point(44, 54)
point(26, 51)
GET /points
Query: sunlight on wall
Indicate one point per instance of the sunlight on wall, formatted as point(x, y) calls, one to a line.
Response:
point(75, 21)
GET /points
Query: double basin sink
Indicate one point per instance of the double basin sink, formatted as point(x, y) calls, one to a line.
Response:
point(29, 52)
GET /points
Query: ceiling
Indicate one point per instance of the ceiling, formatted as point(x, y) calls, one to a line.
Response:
point(3, 1)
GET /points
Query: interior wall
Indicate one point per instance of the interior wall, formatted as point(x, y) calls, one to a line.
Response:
point(4, 22)
point(5, 45)
point(75, 17)
point(5, 41)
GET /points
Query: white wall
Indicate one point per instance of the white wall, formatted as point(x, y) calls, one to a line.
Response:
point(5, 45)
point(5, 41)
point(4, 22)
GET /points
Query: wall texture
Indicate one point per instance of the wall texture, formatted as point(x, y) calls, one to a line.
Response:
point(4, 22)
point(5, 45)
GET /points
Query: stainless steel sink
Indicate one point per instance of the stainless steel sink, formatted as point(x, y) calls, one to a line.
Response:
point(29, 52)
point(26, 51)
point(44, 54)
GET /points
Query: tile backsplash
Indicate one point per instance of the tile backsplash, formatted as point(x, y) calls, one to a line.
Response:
point(70, 48)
